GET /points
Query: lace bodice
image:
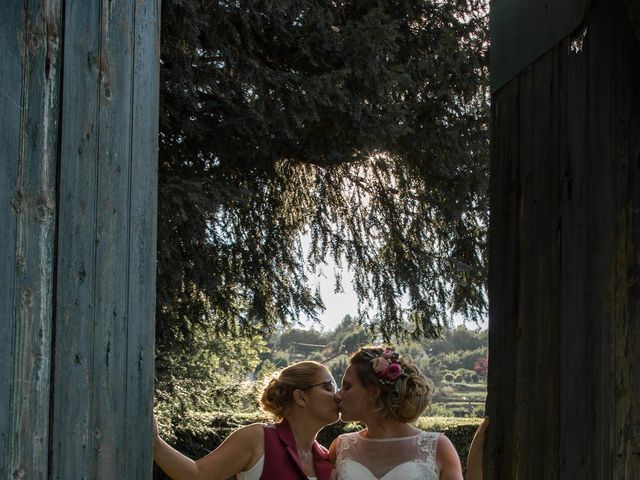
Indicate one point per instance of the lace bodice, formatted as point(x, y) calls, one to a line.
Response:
point(405, 458)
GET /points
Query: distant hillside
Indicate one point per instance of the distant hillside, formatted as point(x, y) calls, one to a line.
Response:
point(457, 363)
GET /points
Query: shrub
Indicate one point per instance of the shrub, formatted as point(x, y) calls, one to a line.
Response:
point(462, 358)
point(196, 434)
point(460, 375)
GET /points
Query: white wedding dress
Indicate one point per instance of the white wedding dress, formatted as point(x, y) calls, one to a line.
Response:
point(406, 458)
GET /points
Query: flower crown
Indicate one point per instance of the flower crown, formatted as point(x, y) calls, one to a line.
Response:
point(386, 365)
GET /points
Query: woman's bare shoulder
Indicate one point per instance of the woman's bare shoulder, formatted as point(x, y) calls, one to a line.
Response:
point(253, 430)
point(448, 460)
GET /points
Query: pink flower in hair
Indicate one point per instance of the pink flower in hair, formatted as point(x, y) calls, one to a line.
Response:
point(393, 371)
point(388, 353)
point(386, 365)
point(379, 365)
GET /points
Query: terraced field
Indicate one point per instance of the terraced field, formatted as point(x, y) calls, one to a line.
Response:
point(460, 399)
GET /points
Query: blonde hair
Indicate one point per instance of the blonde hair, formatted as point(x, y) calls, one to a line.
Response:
point(277, 394)
point(404, 399)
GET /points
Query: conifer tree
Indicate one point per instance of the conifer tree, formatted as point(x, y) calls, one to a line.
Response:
point(361, 123)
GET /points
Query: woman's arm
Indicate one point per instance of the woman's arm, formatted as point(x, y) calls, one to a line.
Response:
point(237, 453)
point(448, 460)
point(476, 452)
point(172, 462)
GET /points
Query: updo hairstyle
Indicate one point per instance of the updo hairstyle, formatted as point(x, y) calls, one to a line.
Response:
point(277, 394)
point(404, 399)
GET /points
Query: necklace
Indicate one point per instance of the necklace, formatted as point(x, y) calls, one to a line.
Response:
point(304, 452)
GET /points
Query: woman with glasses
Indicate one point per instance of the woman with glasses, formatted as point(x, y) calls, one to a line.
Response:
point(301, 397)
point(387, 393)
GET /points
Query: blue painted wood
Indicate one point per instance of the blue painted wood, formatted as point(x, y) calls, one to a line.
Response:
point(10, 118)
point(31, 87)
point(142, 245)
point(72, 433)
point(78, 152)
point(106, 243)
point(112, 239)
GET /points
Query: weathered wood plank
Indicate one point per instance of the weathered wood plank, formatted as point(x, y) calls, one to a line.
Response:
point(11, 108)
point(626, 354)
point(544, 275)
point(33, 195)
point(142, 240)
point(112, 239)
point(602, 209)
point(576, 355)
point(73, 433)
point(87, 148)
point(525, 214)
point(574, 261)
point(503, 279)
point(35, 244)
point(107, 242)
point(538, 215)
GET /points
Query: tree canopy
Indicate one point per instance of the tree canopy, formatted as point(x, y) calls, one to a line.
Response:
point(360, 123)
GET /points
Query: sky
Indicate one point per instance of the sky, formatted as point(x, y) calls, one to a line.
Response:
point(337, 304)
point(344, 303)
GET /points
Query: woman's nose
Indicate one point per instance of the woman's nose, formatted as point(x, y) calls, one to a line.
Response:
point(338, 396)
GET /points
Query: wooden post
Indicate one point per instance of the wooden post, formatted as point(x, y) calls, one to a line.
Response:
point(564, 280)
point(78, 152)
point(29, 99)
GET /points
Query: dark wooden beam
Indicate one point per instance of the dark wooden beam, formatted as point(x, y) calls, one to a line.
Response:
point(633, 7)
point(564, 275)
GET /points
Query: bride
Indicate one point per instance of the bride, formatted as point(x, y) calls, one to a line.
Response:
point(387, 392)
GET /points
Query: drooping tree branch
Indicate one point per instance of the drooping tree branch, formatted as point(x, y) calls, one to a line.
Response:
point(363, 123)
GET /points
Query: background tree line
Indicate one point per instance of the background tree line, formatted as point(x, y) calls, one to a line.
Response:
point(226, 374)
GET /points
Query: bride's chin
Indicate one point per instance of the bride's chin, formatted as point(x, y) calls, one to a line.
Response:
point(345, 418)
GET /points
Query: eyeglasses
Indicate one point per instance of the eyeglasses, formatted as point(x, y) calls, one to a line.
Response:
point(328, 385)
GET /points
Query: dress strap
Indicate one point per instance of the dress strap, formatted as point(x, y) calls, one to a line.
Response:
point(345, 442)
point(428, 442)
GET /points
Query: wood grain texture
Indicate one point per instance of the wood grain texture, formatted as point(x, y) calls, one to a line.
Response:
point(29, 87)
point(73, 434)
point(142, 245)
point(78, 153)
point(11, 33)
point(108, 166)
point(563, 280)
point(504, 280)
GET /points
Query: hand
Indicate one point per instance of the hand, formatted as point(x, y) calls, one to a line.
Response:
point(155, 426)
point(480, 432)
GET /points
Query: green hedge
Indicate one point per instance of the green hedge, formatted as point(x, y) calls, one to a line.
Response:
point(199, 433)
point(459, 430)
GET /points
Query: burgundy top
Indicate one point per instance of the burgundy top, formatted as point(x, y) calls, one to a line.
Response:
point(281, 460)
